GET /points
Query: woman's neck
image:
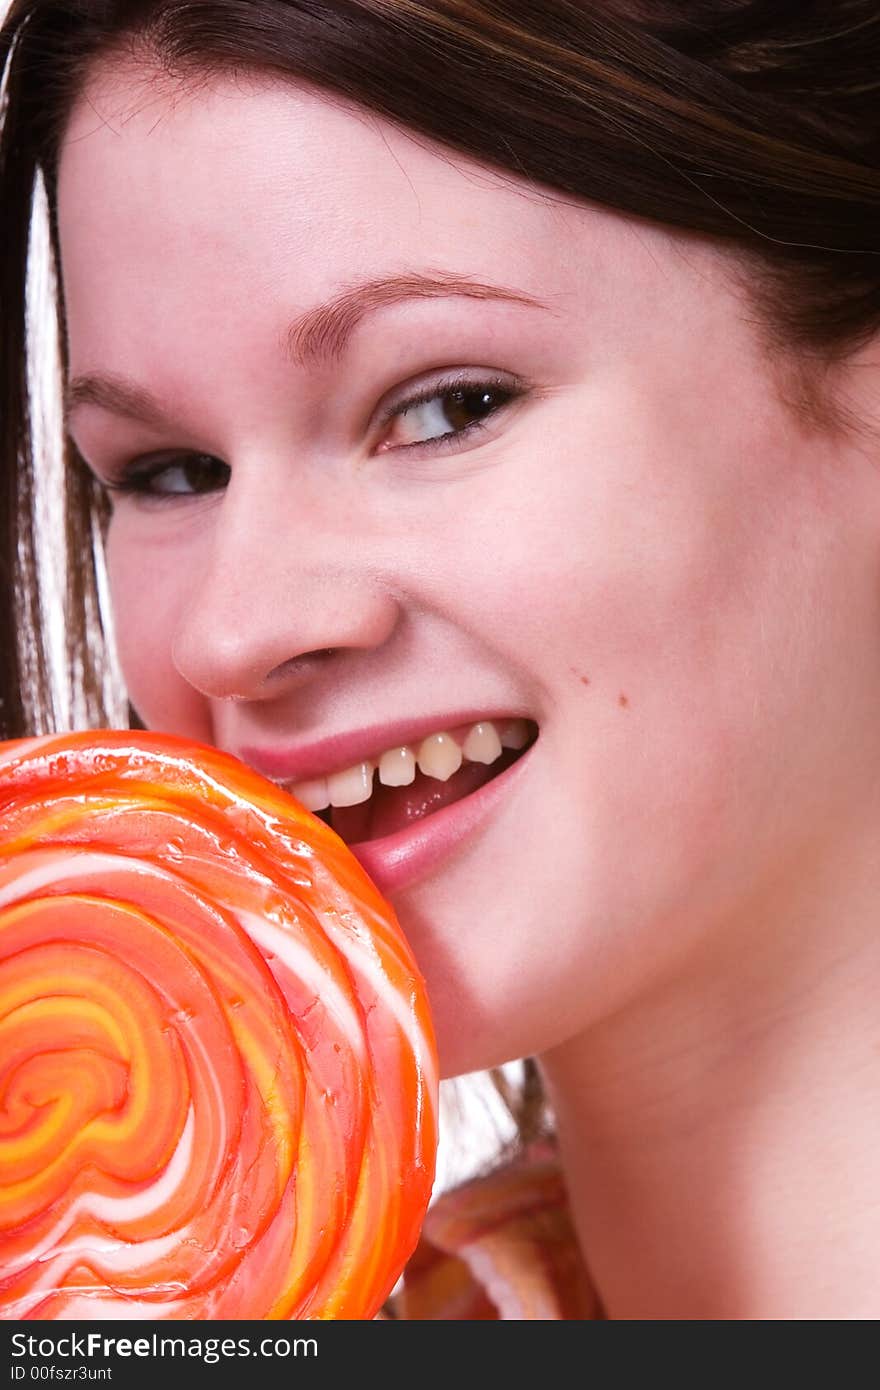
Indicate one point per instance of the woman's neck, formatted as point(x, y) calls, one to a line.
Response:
point(721, 1140)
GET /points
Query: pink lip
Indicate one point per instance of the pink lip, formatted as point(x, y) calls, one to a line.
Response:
point(340, 751)
point(397, 861)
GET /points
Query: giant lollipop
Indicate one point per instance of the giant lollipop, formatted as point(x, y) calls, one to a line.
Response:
point(217, 1067)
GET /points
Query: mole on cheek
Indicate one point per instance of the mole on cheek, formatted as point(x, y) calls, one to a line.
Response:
point(623, 700)
point(584, 680)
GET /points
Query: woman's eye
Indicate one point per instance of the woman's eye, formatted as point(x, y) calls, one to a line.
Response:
point(444, 411)
point(185, 475)
point(439, 415)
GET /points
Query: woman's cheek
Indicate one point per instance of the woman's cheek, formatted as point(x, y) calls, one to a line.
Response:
point(147, 591)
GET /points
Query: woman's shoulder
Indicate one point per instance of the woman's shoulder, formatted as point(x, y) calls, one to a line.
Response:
point(501, 1246)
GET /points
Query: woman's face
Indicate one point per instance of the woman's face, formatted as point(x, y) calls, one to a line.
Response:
point(601, 519)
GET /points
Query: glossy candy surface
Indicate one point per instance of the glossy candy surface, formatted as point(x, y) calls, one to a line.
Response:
point(217, 1067)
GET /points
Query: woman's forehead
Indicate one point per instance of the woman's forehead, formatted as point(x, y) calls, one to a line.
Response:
point(197, 222)
point(265, 168)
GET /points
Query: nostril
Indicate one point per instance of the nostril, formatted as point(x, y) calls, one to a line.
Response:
point(301, 666)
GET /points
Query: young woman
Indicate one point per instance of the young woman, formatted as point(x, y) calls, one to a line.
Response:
point(480, 405)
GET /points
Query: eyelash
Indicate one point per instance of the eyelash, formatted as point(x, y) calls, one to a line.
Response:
point(137, 478)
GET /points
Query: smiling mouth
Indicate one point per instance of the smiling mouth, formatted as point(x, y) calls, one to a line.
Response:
point(388, 810)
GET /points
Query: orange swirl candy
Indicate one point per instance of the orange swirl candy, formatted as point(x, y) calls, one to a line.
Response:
point(217, 1068)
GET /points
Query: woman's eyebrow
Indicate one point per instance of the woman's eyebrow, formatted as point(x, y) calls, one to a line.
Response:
point(321, 334)
point(317, 336)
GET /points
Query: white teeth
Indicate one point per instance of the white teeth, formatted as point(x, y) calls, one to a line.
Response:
point(351, 787)
point(516, 735)
point(482, 744)
point(313, 795)
point(397, 767)
point(439, 756)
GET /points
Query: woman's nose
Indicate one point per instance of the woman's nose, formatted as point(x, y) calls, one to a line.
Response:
point(272, 596)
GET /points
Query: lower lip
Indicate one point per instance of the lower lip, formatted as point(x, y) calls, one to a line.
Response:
point(397, 861)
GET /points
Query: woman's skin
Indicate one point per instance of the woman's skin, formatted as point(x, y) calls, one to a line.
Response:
point(677, 902)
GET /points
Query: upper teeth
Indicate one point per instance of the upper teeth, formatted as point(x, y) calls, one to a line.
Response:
point(438, 755)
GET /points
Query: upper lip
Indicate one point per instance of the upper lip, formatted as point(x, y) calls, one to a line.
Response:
point(336, 752)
